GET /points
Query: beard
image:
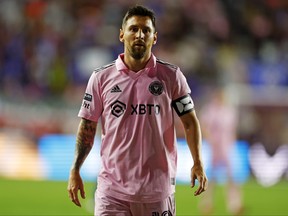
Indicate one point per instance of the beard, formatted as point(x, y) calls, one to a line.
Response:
point(138, 52)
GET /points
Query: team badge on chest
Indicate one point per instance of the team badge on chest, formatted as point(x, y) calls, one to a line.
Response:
point(156, 88)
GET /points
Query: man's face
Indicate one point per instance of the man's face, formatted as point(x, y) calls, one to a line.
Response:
point(138, 36)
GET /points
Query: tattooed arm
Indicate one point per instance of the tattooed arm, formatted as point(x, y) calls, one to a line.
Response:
point(84, 143)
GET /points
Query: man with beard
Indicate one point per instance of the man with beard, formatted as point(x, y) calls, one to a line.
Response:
point(134, 98)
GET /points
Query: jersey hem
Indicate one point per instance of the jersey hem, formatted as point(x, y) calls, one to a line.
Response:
point(134, 198)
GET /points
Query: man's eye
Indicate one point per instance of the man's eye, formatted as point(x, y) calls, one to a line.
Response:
point(147, 30)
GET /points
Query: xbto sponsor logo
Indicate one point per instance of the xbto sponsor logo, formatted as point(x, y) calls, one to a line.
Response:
point(142, 109)
point(118, 108)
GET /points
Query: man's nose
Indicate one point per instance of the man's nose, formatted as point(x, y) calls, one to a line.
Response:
point(140, 34)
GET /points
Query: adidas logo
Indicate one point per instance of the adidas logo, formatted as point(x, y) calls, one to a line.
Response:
point(116, 89)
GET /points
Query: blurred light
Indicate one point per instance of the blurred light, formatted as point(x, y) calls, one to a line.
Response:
point(239, 162)
point(267, 169)
point(19, 157)
point(91, 58)
point(58, 153)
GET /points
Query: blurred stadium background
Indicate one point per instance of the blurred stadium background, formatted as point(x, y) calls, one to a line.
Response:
point(48, 50)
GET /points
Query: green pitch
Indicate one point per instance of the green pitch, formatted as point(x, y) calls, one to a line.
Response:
point(36, 198)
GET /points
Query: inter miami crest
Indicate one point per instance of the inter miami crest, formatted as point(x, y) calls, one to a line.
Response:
point(156, 88)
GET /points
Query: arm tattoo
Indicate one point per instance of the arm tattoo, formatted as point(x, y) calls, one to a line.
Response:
point(84, 141)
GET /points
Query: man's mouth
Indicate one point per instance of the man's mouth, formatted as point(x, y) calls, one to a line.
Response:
point(139, 44)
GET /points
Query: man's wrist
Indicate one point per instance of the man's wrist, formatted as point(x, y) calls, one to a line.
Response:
point(198, 163)
point(74, 170)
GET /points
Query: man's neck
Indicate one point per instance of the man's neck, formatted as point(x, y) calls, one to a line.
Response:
point(135, 64)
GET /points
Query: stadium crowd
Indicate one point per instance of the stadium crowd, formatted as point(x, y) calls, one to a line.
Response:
point(48, 49)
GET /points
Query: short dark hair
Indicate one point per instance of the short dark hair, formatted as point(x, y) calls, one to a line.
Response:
point(140, 10)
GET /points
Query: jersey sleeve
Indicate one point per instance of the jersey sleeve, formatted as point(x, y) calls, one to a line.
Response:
point(181, 99)
point(92, 105)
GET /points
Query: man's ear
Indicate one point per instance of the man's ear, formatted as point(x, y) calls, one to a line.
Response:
point(155, 38)
point(121, 36)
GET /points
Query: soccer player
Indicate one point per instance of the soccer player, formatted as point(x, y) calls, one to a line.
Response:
point(219, 119)
point(134, 98)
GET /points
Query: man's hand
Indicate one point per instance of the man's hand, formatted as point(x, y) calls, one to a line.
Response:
point(198, 173)
point(75, 183)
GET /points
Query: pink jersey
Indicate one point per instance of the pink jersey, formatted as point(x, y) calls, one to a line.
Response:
point(138, 149)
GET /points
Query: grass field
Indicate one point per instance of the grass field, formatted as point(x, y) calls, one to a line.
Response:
point(36, 198)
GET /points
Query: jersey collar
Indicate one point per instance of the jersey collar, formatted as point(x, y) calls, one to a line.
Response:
point(120, 65)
